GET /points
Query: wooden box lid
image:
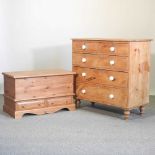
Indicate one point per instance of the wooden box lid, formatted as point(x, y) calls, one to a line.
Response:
point(37, 73)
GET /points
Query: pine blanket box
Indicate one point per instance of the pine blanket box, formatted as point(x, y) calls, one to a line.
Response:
point(38, 92)
point(112, 72)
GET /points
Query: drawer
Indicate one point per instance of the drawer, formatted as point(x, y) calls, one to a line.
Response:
point(98, 76)
point(31, 104)
point(59, 101)
point(101, 94)
point(104, 47)
point(44, 87)
point(86, 46)
point(101, 61)
point(114, 48)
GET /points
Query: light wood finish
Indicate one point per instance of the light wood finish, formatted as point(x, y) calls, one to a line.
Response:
point(106, 77)
point(101, 61)
point(125, 80)
point(38, 111)
point(112, 39)
point(98, 47)
point(139, 74)
point(45, 93)
point(101, 94)
point(37, 73)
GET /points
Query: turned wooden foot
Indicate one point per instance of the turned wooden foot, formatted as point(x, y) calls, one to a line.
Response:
point(141, 109)
point(126, 114)
point(77, 102)
point(92, 103)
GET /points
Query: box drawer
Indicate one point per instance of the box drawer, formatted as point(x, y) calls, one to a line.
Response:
point(101, 94)
point(30, 104)
point(59, 101)
point(101, 61)
point(98, 76)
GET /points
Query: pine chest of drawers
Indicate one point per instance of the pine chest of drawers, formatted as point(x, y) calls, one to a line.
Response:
point(112, 72)
point(38, 92)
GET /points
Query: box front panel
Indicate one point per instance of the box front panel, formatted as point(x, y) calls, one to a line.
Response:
point(43, 87)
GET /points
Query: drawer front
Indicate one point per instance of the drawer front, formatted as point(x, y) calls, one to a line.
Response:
point(44, 87)
point(101, 94)
point(104, 47)
point(115, 48)
point(42, 103)
point(101, 61)
point(86, 46)
point(32, 104)
point(97, 76)
point(59, 101)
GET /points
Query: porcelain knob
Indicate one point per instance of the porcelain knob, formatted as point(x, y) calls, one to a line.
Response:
point(112, 49)
point(83, 74)
point(111, 78)
point(84, 47)
point(83, 91)
point(111, 96)
point(112, 62)
point(84, 59)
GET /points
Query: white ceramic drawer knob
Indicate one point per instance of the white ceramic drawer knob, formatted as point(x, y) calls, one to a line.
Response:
point(111, 78)
point(83, 74)
point(111, 96)
point(84, 59)
point(84, 47)
point(112, 62)
point(112, 49)
point(83, 91)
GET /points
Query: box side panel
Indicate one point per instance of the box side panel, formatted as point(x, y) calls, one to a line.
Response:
point(9, 87)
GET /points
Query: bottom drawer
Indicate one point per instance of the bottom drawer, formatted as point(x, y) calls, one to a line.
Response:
point(42, 103)
point(107, 95)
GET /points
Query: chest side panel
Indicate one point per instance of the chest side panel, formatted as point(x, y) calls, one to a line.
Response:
point(139, 73)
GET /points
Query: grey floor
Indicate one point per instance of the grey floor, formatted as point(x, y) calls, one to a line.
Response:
point(88, 131)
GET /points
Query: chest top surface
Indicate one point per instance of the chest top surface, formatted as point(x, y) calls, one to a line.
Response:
point(112, 39)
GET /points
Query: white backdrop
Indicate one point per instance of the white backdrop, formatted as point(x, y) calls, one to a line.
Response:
point(36, 34)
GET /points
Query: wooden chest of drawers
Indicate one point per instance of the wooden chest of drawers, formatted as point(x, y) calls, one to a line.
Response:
point(112, 72)
point(38, 92)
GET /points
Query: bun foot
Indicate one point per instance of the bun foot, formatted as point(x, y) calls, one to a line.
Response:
point(141, 109)
point(126, 114)
point(77, 102)
point(92, 104)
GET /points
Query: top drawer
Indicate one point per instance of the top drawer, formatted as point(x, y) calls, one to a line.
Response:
point(101, 47)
